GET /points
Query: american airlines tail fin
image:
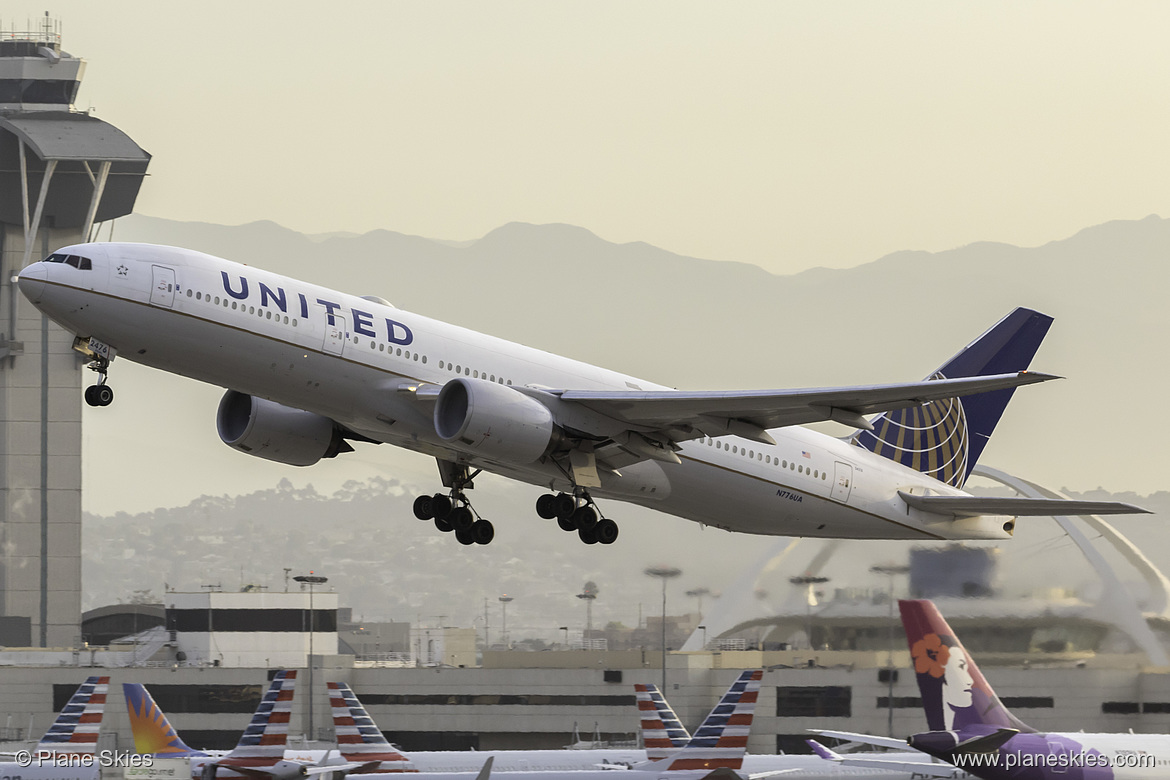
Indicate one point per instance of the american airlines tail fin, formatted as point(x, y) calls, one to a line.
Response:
point(721, 741)
point(945, 438)
point(153, 733)
point(662, 732)
point(955, 694)
point(358, 738)
point(265, 737)
point(76, 728)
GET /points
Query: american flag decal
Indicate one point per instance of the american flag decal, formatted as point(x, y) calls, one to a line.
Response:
point(358, 738)
point(76, 728)
point(721, 741)
point(662, 731)
point(265, 737)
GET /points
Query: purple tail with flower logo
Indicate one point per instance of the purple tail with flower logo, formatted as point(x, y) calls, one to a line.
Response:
point(954, 692)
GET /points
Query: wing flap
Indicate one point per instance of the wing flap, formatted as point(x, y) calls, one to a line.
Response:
point(973, 506)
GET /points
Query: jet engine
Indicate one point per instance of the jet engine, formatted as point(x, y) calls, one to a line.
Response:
point(274, 432)
point(493, 420)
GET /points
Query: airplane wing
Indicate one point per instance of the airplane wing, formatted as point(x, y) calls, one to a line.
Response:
point(715, 412)
point(916, 768)
point(865, 739)
point(973, 506)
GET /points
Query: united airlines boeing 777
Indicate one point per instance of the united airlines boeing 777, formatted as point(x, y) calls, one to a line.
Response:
point(308, 369)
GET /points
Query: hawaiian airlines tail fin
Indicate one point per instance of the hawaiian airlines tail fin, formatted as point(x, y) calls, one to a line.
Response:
point(955, 694)
point(721, 741)
point(76, 728)
point(945, 438)
point(662, 732)
point(265, 737)
point(358, 738)
point(153, 733)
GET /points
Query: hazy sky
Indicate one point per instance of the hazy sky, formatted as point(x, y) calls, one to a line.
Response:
point(780, 133)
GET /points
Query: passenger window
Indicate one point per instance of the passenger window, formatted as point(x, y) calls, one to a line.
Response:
point(424, 358)
point(198, 296)
point(190, 293)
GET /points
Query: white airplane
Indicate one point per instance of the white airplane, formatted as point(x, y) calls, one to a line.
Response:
point(307, 368)
point(68, 750)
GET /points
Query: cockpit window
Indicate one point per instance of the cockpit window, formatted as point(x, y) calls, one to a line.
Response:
point(77, 261)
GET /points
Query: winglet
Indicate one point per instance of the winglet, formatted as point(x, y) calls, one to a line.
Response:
point(822, 750)
point(486, 772)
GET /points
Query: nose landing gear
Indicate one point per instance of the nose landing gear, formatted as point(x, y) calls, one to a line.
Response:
point(100, 394)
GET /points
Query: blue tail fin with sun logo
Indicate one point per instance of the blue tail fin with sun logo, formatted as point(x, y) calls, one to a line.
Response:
point(945, 438)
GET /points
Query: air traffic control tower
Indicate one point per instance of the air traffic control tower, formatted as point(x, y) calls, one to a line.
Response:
point(62, 173)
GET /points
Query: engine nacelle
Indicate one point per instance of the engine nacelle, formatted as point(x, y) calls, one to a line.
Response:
point(274, 432)
point(493, 420)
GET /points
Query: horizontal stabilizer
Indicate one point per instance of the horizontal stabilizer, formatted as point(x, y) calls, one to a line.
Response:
point(988, 743)
point(973, 506)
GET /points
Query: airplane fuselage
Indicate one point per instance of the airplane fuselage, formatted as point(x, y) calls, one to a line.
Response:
point(360, 363)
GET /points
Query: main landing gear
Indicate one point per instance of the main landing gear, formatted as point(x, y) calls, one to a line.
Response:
point(454, 512)
point(100, 394)
point(577, 512)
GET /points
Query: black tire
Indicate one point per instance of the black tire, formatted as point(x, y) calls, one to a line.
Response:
point(461, 518)
point(440, 505)
point(546, 506)
point(465, 536)
point(585, 517)
point(90, 395)
point(423, 508)
point(443, 525)
point(606, 531)
point(588, 535)
point(566, 524)
point(483, 532)
point(565, 505)
point(104, 394)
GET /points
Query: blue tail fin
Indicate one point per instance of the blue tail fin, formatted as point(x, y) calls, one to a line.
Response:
point(945, 438)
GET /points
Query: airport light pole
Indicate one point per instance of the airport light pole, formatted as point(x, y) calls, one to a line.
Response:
point(699, 593)
point(808, 581)
point(663, 573)
point(588, 594)
point(504, 629)
point(890, 570)
point(311, 579)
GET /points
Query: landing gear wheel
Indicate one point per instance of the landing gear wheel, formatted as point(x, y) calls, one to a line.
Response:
point(566, 524)
point(423, 505)
point(546, 506)
point(585, 517)
point(482, 532)
point(588, 535)
point(464, 536)
point(99, 395)
point(565, 505)
point(443, 525)
point(606, 531)
point(461, 518)
point(440, 505)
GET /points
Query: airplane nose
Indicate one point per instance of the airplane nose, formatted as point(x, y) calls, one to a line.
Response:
point(32, 281)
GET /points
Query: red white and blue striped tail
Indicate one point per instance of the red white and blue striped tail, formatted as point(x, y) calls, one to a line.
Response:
point(662, 732)
point(721, 741)
point(265, 737)
point(358, 738)
point(76, 729)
